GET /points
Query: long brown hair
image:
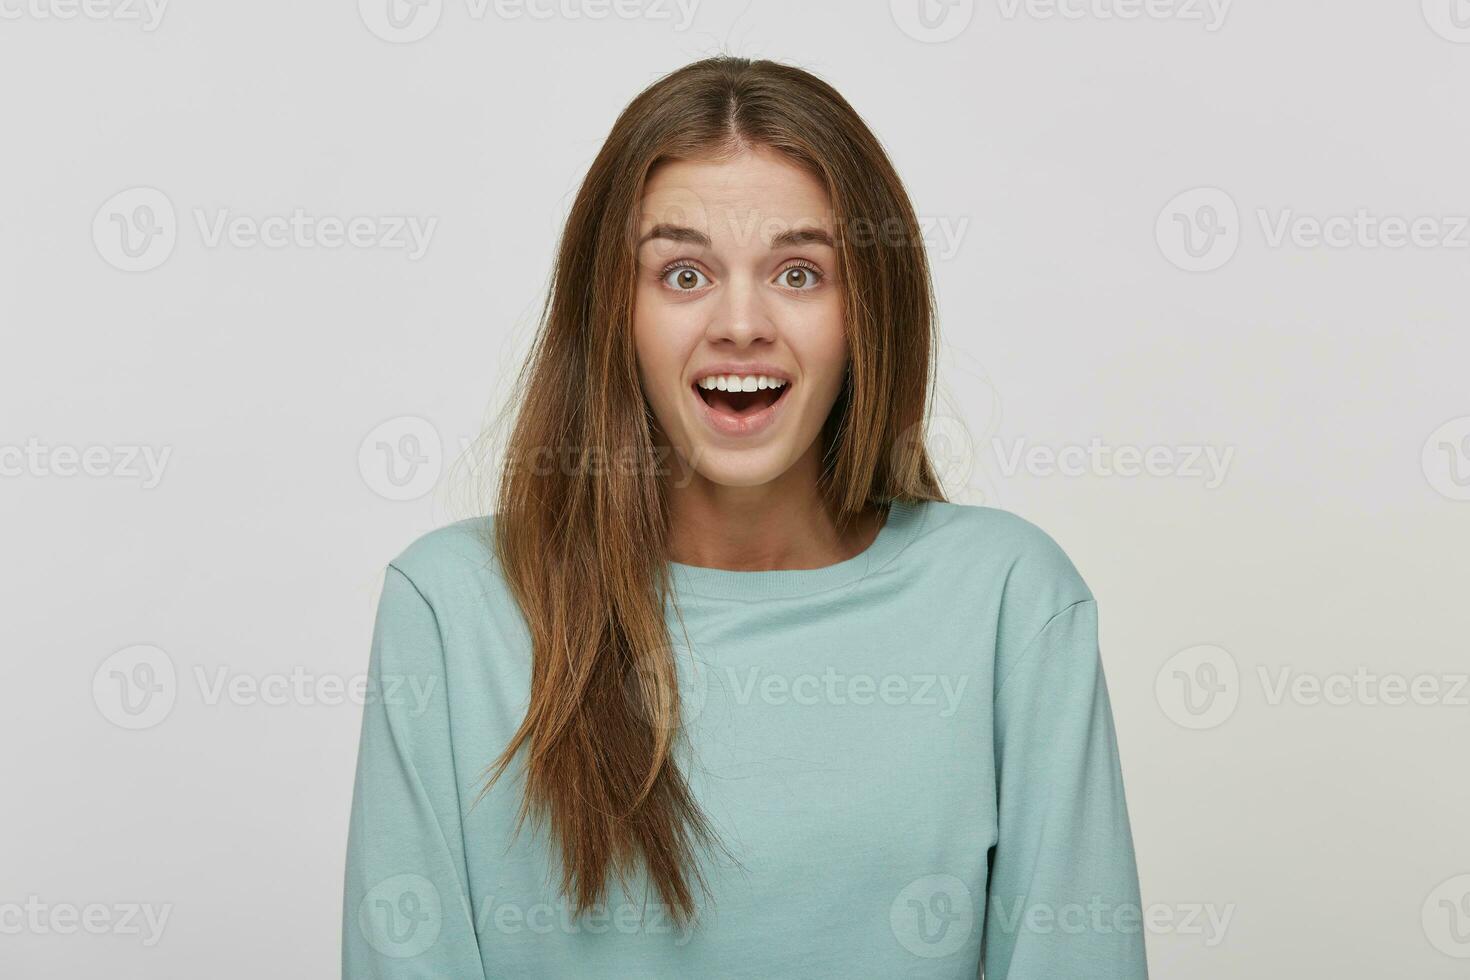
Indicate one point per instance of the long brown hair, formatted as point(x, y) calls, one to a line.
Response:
point(580, 535)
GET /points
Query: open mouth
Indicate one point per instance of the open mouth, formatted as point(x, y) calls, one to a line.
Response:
point(741, 404)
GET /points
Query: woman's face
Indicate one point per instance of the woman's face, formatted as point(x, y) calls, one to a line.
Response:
point(737, 279)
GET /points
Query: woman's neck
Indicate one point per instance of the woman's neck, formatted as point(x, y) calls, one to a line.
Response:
point(785, 524)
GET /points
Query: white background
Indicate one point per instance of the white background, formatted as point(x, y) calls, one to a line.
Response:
point(1054, 143)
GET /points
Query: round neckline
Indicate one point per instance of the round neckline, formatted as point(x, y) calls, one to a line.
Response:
point(899, 528)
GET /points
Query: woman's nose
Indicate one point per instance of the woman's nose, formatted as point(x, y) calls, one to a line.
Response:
point(740, 313)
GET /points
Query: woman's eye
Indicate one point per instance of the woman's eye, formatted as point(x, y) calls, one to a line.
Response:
point(800, 277)
point(685, 278)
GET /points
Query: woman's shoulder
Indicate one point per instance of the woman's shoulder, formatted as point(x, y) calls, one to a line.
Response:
point(1015, 572)
point(453, 559)
point(1001, 539)
point(1007, 556)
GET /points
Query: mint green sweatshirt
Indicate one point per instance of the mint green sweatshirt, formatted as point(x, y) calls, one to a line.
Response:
point(910, 754)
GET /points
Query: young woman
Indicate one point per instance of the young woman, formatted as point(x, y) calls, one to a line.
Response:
point(766, 704)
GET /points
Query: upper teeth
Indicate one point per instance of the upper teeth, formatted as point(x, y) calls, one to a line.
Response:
point(740, 382)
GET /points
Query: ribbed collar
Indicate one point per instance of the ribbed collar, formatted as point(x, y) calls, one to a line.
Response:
point(899, 528)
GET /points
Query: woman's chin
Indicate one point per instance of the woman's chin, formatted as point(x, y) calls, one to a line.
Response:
point(750, 466)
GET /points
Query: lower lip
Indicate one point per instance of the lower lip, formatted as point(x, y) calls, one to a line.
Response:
point(740, 425)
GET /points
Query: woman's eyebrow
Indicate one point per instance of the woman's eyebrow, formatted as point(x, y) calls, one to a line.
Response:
point(676, 233)
point(802, 236)
point(693, 236)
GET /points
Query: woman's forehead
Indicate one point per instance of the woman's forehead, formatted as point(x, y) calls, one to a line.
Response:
point(751, 197)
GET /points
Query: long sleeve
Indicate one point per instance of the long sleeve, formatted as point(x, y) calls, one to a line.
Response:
point(1063, 894)
point(406, 900)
